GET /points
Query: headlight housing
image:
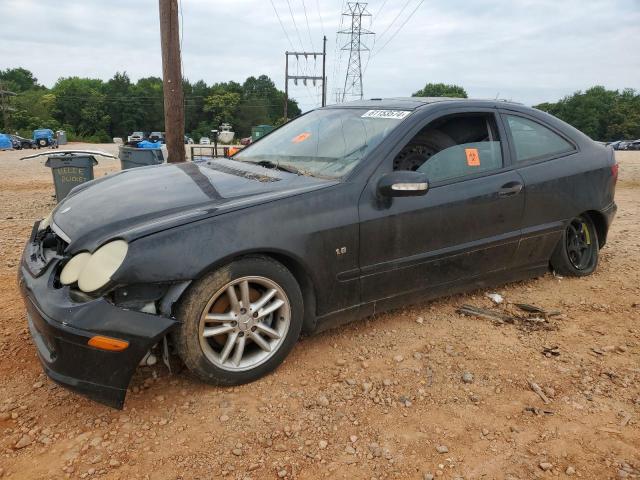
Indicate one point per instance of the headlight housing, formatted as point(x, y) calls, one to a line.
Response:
point(93, 271)
point(45, 222)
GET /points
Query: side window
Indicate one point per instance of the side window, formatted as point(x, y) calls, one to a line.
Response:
point(453, 146)
point(533, 140)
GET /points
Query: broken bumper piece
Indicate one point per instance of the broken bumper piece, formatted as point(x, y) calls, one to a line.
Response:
point(61, 330)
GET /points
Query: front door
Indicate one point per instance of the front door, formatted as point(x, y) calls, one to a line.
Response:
point(468, 223)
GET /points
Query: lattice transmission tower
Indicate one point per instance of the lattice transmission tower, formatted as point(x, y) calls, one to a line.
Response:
point(355, 45)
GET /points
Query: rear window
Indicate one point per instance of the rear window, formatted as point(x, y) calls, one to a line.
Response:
point(535, 141)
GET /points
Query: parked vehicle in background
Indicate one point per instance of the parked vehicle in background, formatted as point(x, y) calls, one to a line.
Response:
point(44, 137)
point(619, 144)
point(156, 137)
point(188, 140)
point(20, 143)
point(205, 141)
point(635, 145)
point(5, 142)
point(246, 141)
point(299, 232)
point(136, 137)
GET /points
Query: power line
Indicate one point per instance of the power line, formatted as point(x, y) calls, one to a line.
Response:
point(295, 25)
point(320, 16)
point(379, 10)
point(337, 53)
point(394, 20)
point(304, 7)
point(282, 25)
point(400, 28)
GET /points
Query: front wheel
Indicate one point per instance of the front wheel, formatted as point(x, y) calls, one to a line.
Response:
point(576, 254)
point(240, 322)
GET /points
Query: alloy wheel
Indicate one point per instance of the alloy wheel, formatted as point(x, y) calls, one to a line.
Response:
point(579, 244)
point(244, 323)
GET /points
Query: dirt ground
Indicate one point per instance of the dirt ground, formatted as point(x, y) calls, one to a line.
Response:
point(383, 398)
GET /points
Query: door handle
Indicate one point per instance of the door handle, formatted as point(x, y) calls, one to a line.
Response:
point(510, 189)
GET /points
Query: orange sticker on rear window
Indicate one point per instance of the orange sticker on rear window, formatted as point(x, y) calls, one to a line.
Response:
point(301, 138)
point(473, 157)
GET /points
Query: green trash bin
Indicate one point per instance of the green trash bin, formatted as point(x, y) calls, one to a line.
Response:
point(131, 157)
point(69, 171)
point(260, 131)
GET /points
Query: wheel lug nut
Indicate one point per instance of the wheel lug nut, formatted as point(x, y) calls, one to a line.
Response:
point(255, 315)
point(241, 334)
point(243, 311)
point(253, 329)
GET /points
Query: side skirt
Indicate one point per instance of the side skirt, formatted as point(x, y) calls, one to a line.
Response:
point(357, 312)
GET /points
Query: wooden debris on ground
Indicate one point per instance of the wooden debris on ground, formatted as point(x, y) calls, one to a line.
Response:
point(494, 315)
point(536, 388)
point(533, 309)
point(534, 317)
point(610, 430)
point(538, 411)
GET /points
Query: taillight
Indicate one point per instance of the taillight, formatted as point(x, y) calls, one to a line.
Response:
point(614, 172)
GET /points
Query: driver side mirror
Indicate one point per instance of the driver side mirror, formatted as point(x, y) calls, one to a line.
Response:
point(403, 184)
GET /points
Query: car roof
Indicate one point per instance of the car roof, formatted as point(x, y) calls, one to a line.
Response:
point(412, 103)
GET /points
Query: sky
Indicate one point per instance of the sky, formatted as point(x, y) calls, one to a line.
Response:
point(529, 51)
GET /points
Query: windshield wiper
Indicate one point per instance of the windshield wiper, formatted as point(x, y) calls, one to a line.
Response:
point(278, 166)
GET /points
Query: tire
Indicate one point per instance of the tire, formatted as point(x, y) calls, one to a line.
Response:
point(420, 149)
point(204, 353)
point(42, 143)
point(579, 236)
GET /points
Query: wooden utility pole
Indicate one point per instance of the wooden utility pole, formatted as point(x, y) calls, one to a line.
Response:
point(286, 86)
point(324, 73)
point(4, 106)
point(172, 80)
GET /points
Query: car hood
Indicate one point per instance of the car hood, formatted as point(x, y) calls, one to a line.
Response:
point(140, 201)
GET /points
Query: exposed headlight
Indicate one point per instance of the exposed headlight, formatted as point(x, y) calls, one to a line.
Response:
point(93, 271)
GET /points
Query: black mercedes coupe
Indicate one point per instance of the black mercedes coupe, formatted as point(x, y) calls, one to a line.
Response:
point(347, 210)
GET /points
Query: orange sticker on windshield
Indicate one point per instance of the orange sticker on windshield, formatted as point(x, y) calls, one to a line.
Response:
point(473, 157)
point(301, 138)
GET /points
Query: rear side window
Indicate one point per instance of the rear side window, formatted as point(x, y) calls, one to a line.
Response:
point(533, 140)
point(452, 147)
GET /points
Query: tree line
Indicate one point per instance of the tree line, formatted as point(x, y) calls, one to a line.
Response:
point(605, 115)
point(96, 111)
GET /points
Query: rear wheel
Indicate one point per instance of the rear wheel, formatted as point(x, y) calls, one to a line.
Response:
point(240, 322)
point(577, 251)
point(42, 142)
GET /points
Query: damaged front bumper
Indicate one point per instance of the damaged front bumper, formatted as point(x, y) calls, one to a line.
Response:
point(61, 328)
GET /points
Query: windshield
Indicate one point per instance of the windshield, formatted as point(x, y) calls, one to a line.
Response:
point(324, 143)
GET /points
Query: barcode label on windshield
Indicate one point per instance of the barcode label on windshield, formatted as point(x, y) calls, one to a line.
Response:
point(393, 114)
